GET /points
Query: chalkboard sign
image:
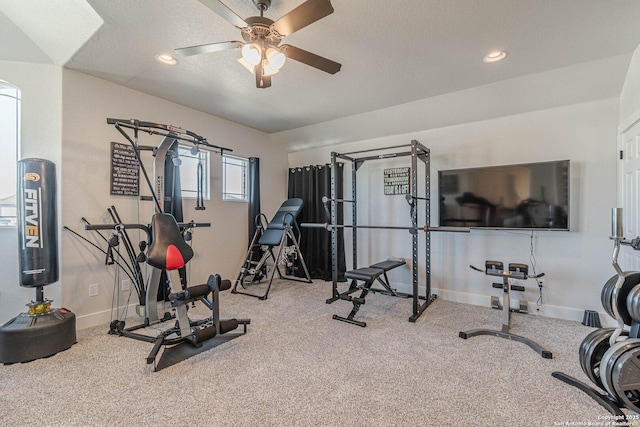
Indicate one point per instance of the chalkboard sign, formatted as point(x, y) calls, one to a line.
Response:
point(124, 170)
point(396, 181)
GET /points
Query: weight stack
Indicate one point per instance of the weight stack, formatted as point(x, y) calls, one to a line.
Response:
point(42, 331)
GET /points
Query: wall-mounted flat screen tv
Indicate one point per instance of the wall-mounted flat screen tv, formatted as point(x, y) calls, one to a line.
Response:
point(524, 196)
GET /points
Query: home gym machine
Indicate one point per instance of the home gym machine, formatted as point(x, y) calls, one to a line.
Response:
point(609, 356)
point(166, 252)
point(280, 232)
point(373, 273)
point(515, 271)
point(42, 331)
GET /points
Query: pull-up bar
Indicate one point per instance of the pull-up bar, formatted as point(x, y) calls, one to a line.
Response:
point(412, 230)
point(165, 130)
point(168, 131)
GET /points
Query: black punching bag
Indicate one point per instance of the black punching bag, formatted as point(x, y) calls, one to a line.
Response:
point(37, 226)
point(42, 331)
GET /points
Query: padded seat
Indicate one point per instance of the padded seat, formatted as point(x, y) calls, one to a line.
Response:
point(389, 264)
point(167, 249)
point(367, 274)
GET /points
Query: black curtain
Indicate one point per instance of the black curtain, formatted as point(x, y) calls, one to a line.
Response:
point(253, 192)
point(311, 183)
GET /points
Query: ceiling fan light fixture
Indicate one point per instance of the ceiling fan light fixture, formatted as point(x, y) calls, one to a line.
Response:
point(246, 65)
point(276, 58)
point(261, 52)
point(251, 53)
point(267, 69)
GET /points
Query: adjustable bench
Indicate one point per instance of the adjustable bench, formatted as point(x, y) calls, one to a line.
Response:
point(368, 275)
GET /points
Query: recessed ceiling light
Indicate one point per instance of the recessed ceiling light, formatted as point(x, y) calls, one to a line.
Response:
point(166, 59)
point(495, 56)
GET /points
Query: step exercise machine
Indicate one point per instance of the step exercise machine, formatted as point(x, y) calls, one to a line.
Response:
point(515, 271)
point(368, 276)
point(281, 232)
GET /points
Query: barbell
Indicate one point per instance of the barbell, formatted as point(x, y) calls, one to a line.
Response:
point(412, 230)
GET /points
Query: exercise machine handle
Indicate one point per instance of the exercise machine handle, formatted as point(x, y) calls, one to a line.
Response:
point(117, 226)
point(191, 224)
point(511, 275)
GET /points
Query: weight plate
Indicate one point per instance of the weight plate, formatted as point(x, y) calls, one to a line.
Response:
point(631, 279)
point(593, 355)
point(605, 295)
point(625, 378)
point(609, 360)
point(587, 344)
point(633, 303)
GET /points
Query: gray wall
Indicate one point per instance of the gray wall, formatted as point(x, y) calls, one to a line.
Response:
point(64, 119)
point(577, 263)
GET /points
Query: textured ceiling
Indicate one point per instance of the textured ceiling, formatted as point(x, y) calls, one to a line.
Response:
point(392, 52)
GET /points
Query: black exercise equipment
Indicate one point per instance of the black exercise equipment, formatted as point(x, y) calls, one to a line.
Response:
point(609, 356)
point(168, 251)
point(166, 194)
point(417, 151)
point(515, 271)
point(376, 272)
point(281, 231)
point(42, 331)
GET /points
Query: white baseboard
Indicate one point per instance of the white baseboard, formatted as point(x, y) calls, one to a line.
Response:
point(547, 310)
point(101, 317)
point(554, 311)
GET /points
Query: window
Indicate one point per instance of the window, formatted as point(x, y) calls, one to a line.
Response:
point(234, 178)
point(9, 140)
point(189, 172)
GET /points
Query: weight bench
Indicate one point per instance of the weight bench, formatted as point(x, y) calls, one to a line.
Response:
point(368, 275)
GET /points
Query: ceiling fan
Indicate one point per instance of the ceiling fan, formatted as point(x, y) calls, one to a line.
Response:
point(262, 53)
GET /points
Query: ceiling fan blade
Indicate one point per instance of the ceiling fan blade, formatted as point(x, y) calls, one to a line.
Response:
point(207, 48)
point(311, 59)
point(222, 10)
point(303, 15)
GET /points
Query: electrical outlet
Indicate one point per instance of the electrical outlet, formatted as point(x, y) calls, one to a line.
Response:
point(93, 290)
point(125, 285)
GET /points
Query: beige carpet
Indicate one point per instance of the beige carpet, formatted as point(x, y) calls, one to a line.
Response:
point(297, 366)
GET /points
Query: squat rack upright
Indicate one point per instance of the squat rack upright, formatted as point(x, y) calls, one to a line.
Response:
point(417, 152)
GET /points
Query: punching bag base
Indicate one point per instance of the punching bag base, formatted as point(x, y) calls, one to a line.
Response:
point(25, 338)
